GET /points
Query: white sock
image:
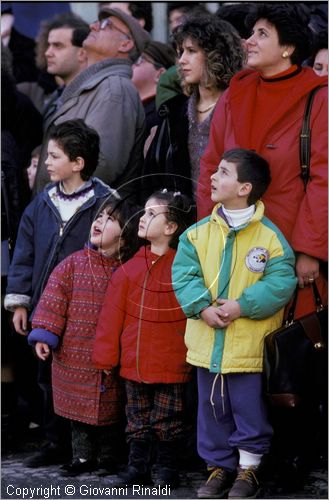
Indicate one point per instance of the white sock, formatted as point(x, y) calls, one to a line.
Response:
point(248, 459)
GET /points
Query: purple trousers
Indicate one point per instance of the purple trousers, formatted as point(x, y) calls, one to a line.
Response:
point(231, 416)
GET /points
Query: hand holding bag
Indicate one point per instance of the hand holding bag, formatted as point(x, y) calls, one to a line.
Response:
point(296, 357)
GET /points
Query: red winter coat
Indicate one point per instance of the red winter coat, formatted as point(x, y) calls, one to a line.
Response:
point(141, 325)
point(301, 217)
point(69, 308)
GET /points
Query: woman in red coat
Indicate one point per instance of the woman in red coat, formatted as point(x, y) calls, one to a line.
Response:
point(263, 110)
point(145, 334)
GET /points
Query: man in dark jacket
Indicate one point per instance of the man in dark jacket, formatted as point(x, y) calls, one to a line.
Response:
point(106, 99)
point(156, 58)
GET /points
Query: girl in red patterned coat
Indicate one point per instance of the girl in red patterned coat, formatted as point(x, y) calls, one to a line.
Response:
point(65, 322)
point(146, 337)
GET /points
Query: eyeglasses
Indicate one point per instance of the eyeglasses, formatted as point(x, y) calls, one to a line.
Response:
point(142, 59)
point(107, 22)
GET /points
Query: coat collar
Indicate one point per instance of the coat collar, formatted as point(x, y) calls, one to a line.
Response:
point(258, 215)
point(87, 80)
point(243, 94)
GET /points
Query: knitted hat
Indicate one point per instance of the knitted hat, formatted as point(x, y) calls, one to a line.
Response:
point(140, 36)
point(161, 53)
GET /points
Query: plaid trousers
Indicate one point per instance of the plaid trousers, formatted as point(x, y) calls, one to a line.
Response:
point(155, 409)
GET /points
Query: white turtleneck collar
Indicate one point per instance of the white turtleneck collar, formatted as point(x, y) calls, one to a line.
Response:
point(236, 218)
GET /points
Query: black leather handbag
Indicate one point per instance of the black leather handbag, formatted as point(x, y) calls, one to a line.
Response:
point(296, 355)
point(296, 358)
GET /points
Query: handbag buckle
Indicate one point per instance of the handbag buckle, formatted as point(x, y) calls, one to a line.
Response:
point(319, 345)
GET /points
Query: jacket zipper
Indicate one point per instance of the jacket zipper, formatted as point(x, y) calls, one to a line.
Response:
point(139, 330)
point(62, 230)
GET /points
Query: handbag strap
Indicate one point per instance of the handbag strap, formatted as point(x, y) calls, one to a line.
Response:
point(305, 139)
point(317, 297)
point(292, 308)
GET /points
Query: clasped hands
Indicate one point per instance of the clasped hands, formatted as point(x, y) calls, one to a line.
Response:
point(222, 316)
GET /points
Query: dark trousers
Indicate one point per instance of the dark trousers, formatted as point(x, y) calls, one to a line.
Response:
point(57, 429)
point(231, 416)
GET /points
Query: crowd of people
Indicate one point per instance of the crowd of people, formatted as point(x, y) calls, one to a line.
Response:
point(155, 226)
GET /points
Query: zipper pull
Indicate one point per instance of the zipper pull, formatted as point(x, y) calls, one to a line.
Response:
point(61, 230)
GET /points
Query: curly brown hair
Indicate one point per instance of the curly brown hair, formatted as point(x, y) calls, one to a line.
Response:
point(221, 44)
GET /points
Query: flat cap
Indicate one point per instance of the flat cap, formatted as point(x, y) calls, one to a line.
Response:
point(140, 36)
point(161, 53)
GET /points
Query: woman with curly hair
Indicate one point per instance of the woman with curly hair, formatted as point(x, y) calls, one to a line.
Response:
point(210, 52)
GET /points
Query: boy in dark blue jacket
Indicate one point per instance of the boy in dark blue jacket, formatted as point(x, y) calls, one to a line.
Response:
point(54, 225)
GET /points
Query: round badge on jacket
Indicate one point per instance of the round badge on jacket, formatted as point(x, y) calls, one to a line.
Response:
point(256, 259)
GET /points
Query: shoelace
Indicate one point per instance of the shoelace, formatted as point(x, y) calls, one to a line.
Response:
point(247, 475)
point(218, 472)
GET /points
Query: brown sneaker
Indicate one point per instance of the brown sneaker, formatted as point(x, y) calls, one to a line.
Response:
point(217, 485)
point(246, 484)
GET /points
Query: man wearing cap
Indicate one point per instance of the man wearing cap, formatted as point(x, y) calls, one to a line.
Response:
point(156, 58)
point(104, 96)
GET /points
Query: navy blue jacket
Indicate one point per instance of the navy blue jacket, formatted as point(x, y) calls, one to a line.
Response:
point(42, 241)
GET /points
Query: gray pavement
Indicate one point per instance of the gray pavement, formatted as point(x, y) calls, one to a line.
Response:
point(19, 482)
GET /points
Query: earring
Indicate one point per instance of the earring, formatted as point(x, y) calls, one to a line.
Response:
point(285, 54)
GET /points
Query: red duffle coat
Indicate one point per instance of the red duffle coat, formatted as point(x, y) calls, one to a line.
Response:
point(69, 308)
point(141, 325)
point(302, 217)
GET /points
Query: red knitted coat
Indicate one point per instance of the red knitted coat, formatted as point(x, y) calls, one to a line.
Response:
point(69, 307)
point(141, 325)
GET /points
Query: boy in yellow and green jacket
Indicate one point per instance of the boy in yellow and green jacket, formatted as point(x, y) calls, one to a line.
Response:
point(233, 274)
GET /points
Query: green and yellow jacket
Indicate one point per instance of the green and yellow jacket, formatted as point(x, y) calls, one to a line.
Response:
point(252, 264)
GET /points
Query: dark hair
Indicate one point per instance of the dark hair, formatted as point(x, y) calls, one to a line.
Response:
point(180, 210)
point(235, 14)
point(290, 19)
point(77, 139)
point(186, 7)
point(142, 10)
point(128, 215)
point(77, 24)
point(320, 42)
point(36, 151)
point(221, 44)
point(251, 167)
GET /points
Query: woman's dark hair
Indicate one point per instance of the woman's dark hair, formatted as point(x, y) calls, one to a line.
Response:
point(291, 20)
point(180, 210)
point(142, 10)
point(128, 215)
point(320, 42)
point(77, 139)
point(36, 151)
point(251, 167)
point(235, 14)
point(221, 44)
